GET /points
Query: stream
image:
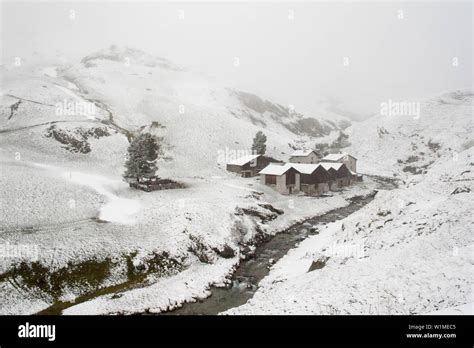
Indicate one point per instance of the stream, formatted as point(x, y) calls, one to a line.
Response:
point(246, 278)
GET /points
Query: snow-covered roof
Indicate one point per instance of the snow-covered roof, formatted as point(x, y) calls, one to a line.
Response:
point(305, 168)
point(276, 169)
point(301, 153)
point(335, 156)
point(243, 160)
point(328, 166)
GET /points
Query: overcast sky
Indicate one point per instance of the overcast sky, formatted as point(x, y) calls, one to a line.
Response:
point(291, 52)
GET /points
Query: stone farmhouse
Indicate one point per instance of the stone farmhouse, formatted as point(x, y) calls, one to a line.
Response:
point(312, 179)
point(304, 156)
point(348, 160)
point(248, 166)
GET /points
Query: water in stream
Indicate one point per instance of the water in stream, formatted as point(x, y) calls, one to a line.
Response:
point(249, 273)
point(247, 276)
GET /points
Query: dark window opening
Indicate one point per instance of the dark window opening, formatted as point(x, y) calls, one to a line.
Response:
point(270, 179)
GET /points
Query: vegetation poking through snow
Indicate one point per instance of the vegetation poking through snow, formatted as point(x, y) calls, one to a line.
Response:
point(309, 126)
point(341, 141)
point(433, 146)
point(461, 190)
point(14, 108)
point(142, 155)
point(258, 145)
point(264, 216)
point(381, 131)
point(90, 277)
point(158, 264)
point(261, 106)
point(226, 252)
point(51, 284)
point(318, 264)
point(76, 140)
point(130, 55)
point(200, 249)
point(271, 208)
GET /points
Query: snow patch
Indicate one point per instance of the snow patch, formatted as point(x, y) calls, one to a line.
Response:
point(117, 209)
point(50, 71)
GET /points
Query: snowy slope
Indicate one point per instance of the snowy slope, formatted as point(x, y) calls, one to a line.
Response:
point(190, 109)
point(62, 189)
point(203, 125)
point(402, 145)
point(410, 251)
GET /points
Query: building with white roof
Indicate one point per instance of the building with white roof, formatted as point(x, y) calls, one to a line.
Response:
point(342, 157)
point(248, 165)
point(283, 177)
point(243, 160)
point(313, 179)
point(329, 166)
point(304, 156)
point(275, 169)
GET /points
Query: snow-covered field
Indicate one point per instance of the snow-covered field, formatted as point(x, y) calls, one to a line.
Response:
point(410, 251)
point(62, 190)
point(62, 193)
point(194, 283)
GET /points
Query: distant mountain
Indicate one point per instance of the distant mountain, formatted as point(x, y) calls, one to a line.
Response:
point(411, 144)
point(409, 251)
point(64, 133)
point(132, 90)
point(128, 55)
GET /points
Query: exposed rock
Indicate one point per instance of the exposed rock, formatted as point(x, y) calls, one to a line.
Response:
point(318, 264)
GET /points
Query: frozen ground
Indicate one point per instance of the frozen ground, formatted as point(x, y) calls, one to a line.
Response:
point(410, 251)
point(62, 192)
point(165, 221)
point(381, 260)
point(159, 297)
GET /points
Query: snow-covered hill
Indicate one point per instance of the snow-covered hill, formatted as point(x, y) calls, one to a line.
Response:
point(197, 118)
point(64, 131)
point(408, 252)
point(403, 145)
point(187, 108)
point(62, 192)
